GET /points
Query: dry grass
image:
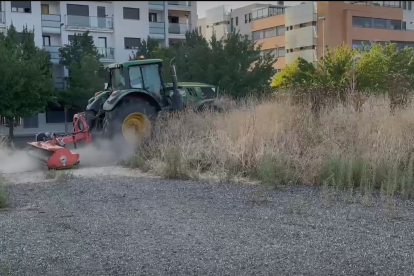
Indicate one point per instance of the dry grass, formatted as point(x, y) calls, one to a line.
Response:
point(279, 143)
point(3, 192)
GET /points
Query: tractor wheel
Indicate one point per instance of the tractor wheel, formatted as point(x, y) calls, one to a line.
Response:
point(132, 119)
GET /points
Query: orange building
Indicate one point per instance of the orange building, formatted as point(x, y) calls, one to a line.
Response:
point(309, 26)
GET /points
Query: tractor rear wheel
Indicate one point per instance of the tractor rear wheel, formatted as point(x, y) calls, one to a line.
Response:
point(132, 120)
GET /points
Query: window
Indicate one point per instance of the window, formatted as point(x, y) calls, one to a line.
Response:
point(302, 25)
point(135, 77)
point(46, 40)
point(45, 8)
point(379, 23)
point(280, 30)
point(21, 6)
point(250, 17)
point(80, 10)
point(31, 122)
point(409, 5)
point(237, 21)
point(78, 15)
point(152, 17)
point(245, 18)
point(403, 25)
point(394, 24)
point(152, 79)
point(393, 4)
point(131, 13)
point(131, 42)
point(117, 79)
point(257, 35)
point(360, 44)
point(281, 52)
point(362, 22)
point(271, 32)
point(199, 29)
point(231, 23)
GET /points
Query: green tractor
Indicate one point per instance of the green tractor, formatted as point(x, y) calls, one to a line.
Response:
point(134, 95)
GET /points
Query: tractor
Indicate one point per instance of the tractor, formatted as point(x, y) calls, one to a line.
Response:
point(133, 96)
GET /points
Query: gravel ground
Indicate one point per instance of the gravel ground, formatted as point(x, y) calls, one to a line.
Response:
point(140, 226)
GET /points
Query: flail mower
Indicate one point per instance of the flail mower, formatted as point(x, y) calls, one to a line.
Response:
point(133, 96)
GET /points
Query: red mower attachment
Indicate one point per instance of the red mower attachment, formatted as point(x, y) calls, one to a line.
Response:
point(50, 148)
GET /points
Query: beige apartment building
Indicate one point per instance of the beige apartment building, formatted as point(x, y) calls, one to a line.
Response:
point(302, 30)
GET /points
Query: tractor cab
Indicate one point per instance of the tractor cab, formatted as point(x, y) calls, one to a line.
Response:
point(143, 74)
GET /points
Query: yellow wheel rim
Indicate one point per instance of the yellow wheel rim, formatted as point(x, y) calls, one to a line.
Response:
point(136, 128)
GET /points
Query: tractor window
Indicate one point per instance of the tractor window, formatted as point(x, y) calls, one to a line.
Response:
point(135, 77)
point(117, 80)
point(152, 79)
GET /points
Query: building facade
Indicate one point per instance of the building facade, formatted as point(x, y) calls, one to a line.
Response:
point(116, 27)
point(303, 30)
point(217, 20)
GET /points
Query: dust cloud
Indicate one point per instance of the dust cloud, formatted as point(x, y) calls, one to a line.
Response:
point(104, 153)
point(97, 154)
point(16, 161)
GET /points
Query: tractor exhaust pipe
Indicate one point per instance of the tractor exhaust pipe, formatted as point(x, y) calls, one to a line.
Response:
point(176, 98)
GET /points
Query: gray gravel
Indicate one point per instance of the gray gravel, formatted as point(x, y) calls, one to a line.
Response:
point(160, 227)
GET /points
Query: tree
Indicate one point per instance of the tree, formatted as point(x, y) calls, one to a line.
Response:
point(146, 48)
point(235, 65)
point(85, 72)
point(84, 82)
point(26, 84)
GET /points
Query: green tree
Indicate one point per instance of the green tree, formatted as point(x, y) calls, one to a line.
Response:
point(83, 83)
point(235, 65)
point(85, 72)
point(26, 84)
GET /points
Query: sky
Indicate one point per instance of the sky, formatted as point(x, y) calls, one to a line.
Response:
point(202, 6)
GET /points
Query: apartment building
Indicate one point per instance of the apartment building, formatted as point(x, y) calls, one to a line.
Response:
point(311, 25)
point(241, 18)
point(217, 20)
point(268, 29)
point(116, 26)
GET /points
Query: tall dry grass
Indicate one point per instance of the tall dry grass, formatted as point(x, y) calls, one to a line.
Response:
point(275, 141)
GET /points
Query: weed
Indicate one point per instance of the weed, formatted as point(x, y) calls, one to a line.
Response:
point(3, 193)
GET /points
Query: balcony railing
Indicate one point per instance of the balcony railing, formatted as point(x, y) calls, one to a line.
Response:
point(54, 52)
point(51, 20)
point(157, 3)
point(180, 3)
point(94, 22)
point(106, 53)
point(178, 28)
point(156, 27)
point(2, 17)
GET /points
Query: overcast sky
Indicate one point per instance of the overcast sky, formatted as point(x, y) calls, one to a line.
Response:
point(202, 6)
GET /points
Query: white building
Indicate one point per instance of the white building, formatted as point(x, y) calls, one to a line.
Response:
point(116, 26)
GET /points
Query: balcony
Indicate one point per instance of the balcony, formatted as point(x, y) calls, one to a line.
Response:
point(156, 5)
point(157, 30)
point(91, 23)
point(54, 53)
point(51, 23)
point(107, 54)
point(2, 18)
point(178, 29)
point(180, 3)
